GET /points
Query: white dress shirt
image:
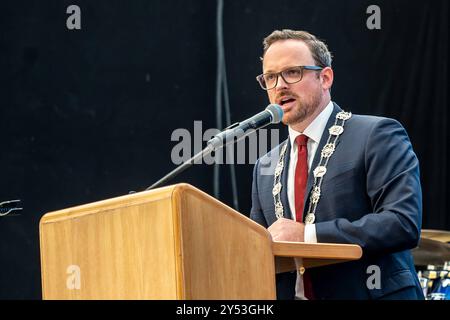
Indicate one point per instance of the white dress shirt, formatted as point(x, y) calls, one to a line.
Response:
point(314, 133)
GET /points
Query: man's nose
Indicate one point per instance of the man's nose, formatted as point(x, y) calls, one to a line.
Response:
point(281, 84)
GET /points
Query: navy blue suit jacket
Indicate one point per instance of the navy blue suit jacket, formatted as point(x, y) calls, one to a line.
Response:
point(371, 196)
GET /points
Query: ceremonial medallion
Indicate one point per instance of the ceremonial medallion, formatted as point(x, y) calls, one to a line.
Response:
point(320, 171)
point(336, 130)
point(344, 115)
point(327, 150)
point(310, 218)
point(315, 195)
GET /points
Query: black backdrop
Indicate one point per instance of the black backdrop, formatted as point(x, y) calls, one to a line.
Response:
point(88, 114)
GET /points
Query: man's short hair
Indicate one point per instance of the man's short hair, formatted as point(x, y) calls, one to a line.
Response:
point(319, 50)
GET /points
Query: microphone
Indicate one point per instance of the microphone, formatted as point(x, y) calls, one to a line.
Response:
point(272, 114)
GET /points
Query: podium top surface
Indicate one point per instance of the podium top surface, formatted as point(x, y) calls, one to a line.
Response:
point(116, 202)
point(175, 192)
point(330, 251)
point(317, 250)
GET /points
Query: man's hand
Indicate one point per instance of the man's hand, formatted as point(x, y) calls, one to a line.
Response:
point(287, 230)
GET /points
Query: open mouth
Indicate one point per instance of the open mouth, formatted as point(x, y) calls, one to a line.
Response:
point(286, 101)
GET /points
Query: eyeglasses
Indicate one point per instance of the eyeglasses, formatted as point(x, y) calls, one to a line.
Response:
point(269, 80)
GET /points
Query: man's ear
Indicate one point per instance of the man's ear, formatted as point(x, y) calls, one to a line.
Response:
point(326, 78)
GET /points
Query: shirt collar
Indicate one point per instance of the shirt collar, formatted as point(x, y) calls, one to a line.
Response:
point(315, 129)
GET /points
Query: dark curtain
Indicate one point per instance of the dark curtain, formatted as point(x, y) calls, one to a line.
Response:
point(88, 115)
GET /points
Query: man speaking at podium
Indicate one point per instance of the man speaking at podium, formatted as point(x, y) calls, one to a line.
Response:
point(338, 178)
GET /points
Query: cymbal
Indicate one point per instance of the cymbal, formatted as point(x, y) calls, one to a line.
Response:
point(439, 235)
point(431, 251)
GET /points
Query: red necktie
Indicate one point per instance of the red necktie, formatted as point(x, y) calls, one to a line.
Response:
point(301, 175)
point(301, 178)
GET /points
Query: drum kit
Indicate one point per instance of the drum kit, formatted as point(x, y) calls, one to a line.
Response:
point(432, 260)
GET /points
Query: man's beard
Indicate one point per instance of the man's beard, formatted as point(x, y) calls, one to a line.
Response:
point(302, 110)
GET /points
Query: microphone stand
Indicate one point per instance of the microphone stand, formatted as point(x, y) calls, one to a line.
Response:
point(224, 138)
point(188, 163)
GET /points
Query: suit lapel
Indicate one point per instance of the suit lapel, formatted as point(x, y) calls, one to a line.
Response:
point(315, 163)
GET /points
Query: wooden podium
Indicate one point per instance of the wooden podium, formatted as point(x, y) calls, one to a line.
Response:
point(175, 242)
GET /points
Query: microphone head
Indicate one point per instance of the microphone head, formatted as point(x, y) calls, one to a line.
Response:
point(276, 111)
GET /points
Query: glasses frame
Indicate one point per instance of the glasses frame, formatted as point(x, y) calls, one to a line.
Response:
point(278, 74)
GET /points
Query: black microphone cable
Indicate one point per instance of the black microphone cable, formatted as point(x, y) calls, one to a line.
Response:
point(222, 84)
